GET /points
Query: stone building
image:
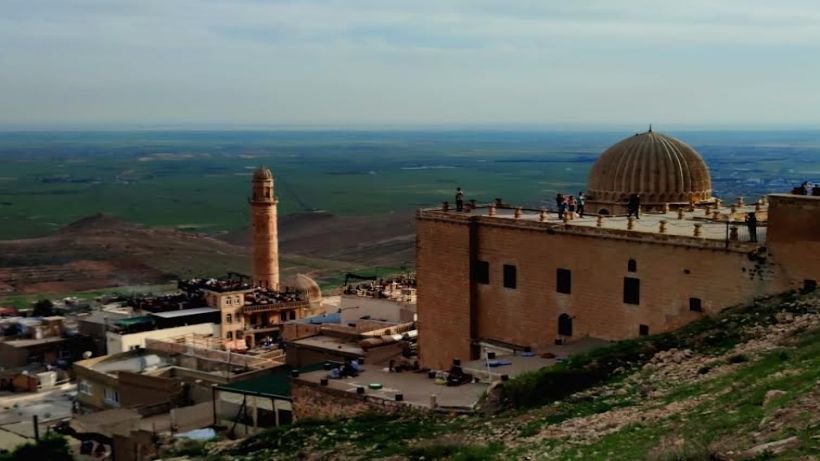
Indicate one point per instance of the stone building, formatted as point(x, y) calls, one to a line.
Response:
point(264, 233)
point(249, 314)
point(502, 277)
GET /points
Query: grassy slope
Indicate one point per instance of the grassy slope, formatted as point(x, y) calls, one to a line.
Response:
point(700, 392)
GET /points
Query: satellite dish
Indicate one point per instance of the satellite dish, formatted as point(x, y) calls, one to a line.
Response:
point(87, 354)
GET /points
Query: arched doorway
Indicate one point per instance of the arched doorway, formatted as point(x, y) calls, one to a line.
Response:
point(564, 325)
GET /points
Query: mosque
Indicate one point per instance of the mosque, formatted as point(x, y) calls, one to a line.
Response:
point(499, 276)
point(661, 169)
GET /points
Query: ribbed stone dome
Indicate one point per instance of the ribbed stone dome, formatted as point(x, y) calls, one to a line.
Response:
point(660, 168)
point(262, 174)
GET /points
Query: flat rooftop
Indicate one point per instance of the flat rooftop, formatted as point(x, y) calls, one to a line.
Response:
point(334, 317)
point(714, 229)
point(519, 364)
point(330, 343)
point(101, 317)
point(23, 343)
point(416, 387)
point(185, 312)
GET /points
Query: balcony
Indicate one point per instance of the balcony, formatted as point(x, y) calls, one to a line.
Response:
point(276, 306)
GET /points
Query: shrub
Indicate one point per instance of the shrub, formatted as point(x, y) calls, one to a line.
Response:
point(52, 447)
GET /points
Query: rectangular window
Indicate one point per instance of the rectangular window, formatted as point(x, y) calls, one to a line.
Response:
point(643, 330)
point(695, 305)
point(482, 272)
point(111, 396)
point(293, 315)
point(84, 387)
point(563, 281)
point(283, 316)
point(509, 276)
point(632, 290)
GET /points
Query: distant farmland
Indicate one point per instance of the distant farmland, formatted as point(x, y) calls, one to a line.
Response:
point(198, 181)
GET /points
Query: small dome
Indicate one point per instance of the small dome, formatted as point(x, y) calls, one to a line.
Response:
point(262, 174)
point(660, 168)
point(308, 285)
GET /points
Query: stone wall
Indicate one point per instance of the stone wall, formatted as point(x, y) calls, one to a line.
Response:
point(310, 400)
point(669, 276)
point(794, 236)
point(137, 389)
point(443, 291)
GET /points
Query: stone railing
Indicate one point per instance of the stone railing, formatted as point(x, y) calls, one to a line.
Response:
point(250, 309)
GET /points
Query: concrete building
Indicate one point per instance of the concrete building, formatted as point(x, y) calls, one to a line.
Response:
point(54, 350)
point(41, 341)
point(174, 372)
point(117, 343)
point(264, 234)
point(503, 277)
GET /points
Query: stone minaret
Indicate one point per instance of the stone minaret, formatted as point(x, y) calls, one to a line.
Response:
point(264, 232)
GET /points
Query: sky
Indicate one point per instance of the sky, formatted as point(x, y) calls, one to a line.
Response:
point(700, 63)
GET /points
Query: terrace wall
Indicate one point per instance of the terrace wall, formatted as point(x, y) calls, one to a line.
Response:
point(310, 400)
point(117, 343)
point(527, 316)
point(794, 236)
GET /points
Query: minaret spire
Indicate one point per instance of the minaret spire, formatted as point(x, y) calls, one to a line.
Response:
point(264, 232)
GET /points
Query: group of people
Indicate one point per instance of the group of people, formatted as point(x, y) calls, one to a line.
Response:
point(807, 188)
point(570, 204)
point(350, 369)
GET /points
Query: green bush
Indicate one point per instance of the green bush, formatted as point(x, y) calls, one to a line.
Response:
point(52, 447)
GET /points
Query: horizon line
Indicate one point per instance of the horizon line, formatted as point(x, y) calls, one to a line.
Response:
point(467, 126)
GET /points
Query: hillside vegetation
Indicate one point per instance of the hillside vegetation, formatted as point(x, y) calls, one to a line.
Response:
point(742, 385)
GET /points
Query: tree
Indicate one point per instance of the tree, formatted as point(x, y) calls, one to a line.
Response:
point(43, 308)
point(52, 447)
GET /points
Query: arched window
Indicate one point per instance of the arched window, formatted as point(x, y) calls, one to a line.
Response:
point(632, 266)
point(228, 318)
point(564, 325)
point(229, 335)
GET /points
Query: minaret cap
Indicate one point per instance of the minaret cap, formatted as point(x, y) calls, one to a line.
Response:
point(262, 174)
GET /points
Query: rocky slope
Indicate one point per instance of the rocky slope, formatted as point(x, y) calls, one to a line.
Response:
point(743, 385)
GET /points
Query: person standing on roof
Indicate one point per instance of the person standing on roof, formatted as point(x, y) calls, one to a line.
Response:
point(633, 206)
point(581, 199)
point(751, 224)
point(459, 199)
point(559, 202)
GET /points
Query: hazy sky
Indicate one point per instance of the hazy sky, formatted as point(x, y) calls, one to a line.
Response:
point(695, 62)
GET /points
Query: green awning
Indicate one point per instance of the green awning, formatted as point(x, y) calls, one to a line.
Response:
point(276, 383)
point(131, 321)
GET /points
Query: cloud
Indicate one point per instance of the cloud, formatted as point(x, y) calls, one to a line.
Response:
point(332, 61)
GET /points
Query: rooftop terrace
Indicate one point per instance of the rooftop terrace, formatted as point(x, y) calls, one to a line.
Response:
point(218, 285)
point(401, 288)
point(721, 226)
